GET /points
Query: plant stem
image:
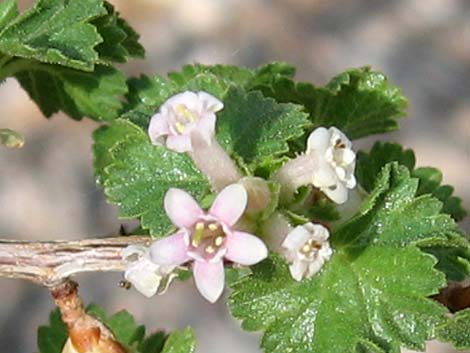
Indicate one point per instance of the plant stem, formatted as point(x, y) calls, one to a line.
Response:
point(86, 333)
point(51, 263)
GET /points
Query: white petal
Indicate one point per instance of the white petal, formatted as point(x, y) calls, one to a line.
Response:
point(338, 195)
point(351, 182)
point(179, 143)
point(318, 140)
point(158, 127)
point(170, 251)
point(324, 174)
point(315, 266)
point(336, 134)
point(137, 250)
point(230, 204)
point(297, 270)
point(206, 127)
point(210, 279)
point(189, 99)
point(144, 280)
point(209, 102)
point(181, 208)
point(319, 233)
point(245, 249)
point(296, 238)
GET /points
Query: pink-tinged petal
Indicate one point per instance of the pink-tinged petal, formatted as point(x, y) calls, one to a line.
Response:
point(318, 140)
point(245, 249)
point(170, 251)
point(296, 238)
point(230, 204)
point(189, 99)
point(210, 102)
point(179, 143)
point(338, 194)
point(209, 278)
point(298, 269)
point(206, 127)
point(181, 208)
point(158, 127)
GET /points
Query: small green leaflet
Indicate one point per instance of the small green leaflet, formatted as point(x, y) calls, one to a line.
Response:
point(182, 341)
point(457, 330)
point(52, 338)
point(371, 296)
point(137, 174)
point(56, 32)
point(77, 93)
point(369, 166)
point(257, 128)
point(360, 102)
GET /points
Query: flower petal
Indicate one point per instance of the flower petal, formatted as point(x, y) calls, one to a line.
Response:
point(339, 194)
point(209, 102)
point(230, 204)
point(170, 251)
point(297, 269)
point(181, 208)
point(209, 278)
point(245, 249)
point(179, 143)
point(296, 238)
point(318, 140)
point(157, 128)
point(143, 279)
point(206, 127)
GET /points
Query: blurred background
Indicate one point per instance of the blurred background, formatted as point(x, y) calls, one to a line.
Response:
point(47, 190)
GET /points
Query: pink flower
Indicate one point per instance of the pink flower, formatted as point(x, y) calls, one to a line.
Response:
point(207, 238)
point(180, 115)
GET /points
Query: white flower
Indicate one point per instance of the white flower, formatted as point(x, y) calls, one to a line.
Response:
point(146, 276)
point(328, 164)
point(307, 249)
point(182, 114)
point(334, 162)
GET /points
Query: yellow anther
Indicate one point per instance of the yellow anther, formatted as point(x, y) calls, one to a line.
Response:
point(306, 248)
point(210, 249)
point(198, 234)
point(219, 240)
point(185, 112)
point(213, 226)
point(180, 127)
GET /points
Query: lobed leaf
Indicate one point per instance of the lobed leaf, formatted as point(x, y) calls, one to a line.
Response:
point(56, 32)
point(137, 174)
point(77, 93)
point(457, 330)
point(372, 296)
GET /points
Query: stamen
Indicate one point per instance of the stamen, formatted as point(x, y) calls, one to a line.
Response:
point(306, 248)
point(198, 234)
point(185, 112)
point(219, 240)
point(180, 127)
point(210, 249)
point(213, 226)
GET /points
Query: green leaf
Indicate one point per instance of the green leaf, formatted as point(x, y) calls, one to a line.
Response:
point(125, 328)
point(457, 330)
point(153, 344)
point(141, 173)
point(120, 41)
point(370, 164)
point(372, 296)
point(257, 128)
point(8, 11)
point(52, 338)
point(77, 93)
point(57, 32)
point(182, 341)
point(360, 102)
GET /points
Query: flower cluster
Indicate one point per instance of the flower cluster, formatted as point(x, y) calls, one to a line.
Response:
point(208, 239)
